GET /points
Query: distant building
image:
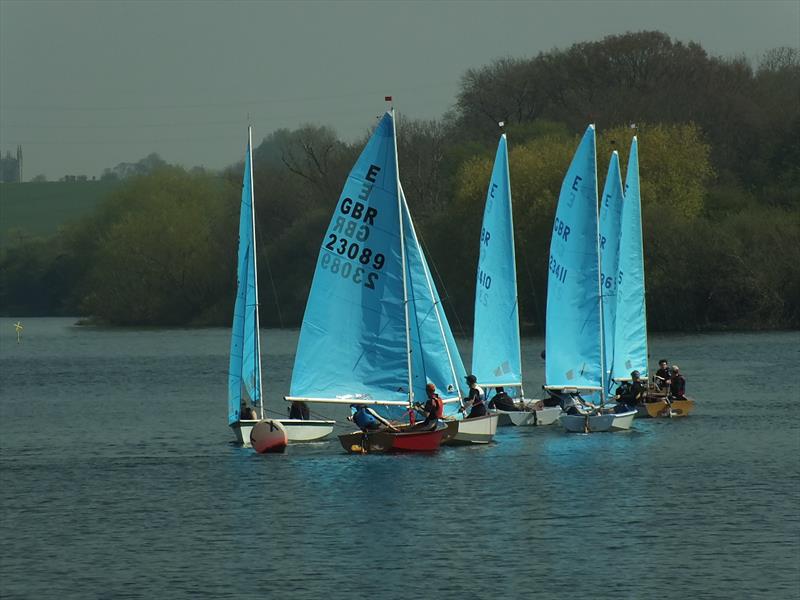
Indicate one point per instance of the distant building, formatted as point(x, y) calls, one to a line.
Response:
point(11, 168)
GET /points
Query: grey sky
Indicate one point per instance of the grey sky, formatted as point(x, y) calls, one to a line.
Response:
point(86, 85)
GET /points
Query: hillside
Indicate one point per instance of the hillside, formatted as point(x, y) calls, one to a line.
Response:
point(39, 209)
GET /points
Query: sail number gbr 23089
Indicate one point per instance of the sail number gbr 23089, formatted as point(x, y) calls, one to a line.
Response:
point(345, 252)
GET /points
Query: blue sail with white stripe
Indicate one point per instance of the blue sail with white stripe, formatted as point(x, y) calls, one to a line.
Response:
point(353, 340)
point(244, 368)
point(610, 216)
point(435, 357)
point(496, 357)
point(573, 341)
point(630, 337)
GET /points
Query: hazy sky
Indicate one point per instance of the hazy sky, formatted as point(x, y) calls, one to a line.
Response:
point(86, 85)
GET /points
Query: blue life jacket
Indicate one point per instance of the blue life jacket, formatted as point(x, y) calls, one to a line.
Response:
point(364, 420)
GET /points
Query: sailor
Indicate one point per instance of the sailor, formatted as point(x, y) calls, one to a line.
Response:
point(677, 389)
point(631, 393)
point(299, 410)
point(662, 378)
point(502, 401)
point(247, 413)
point(363, 418)
point(574, 405)
point(476, 399)
point(433, 409)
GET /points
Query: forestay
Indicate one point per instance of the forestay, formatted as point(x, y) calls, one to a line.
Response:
point(631, 323)
point(496, 345)
point(573, 340)
point(610, 216)
point(244, 369)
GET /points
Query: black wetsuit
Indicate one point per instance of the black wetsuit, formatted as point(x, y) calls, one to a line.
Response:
point(299, 410)
point(478, 405)
point(678, 387)
point(502, 401)
point(631, 393)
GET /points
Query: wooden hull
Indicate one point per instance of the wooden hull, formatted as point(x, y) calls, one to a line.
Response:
point(597, 423)
point(660, 408)
point(268, 436)
point(407, 440)
point(477, 430)
point(299, 430)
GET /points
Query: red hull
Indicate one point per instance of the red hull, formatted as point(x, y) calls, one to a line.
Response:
point(390, 441)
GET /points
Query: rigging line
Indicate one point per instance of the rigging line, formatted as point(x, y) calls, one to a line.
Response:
point(446, 295)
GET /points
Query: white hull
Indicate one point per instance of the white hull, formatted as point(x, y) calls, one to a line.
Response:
point(299, 430)
point(520, 418)
point(548, 415)
point(242, 430)
point(597, 423)
point(478, 430)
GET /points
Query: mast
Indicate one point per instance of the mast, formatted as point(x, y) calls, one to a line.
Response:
point(599, 280)
point(257, 357)
point(402, 259)
point(429, 283)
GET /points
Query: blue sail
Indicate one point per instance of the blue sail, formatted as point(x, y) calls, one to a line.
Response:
point(353, 340)
point(435, 357)
point(573, 337)
point(630, 345)
point(244, 367)
point(495, 345)
point(610, 215)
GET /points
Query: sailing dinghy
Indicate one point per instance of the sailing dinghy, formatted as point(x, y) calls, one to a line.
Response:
point(374, 332)
point(574, 340)
point(630, 329)
point(244, 368)
point(496, 358)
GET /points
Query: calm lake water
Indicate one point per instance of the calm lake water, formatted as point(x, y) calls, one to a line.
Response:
point(118, 480)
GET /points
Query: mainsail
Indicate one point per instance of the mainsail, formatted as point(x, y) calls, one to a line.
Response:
point(610, 215)
point(244, 369)
point(496, 345)
point(573, 340)
point(630, 337)
point(374, 331)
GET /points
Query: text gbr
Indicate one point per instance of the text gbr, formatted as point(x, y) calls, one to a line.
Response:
point(344, 255)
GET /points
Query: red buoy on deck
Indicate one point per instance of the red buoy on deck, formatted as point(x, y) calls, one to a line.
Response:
point(268, 436)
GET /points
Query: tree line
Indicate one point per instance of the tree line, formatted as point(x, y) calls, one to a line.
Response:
point(720, 179)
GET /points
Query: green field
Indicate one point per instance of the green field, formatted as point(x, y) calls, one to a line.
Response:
point(39, 209)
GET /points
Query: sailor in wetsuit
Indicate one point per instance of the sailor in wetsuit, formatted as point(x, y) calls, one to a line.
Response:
point(677, 389)
point(433, 409)
point(363, 418)
point(476, 399)
point(502, 401)
point(630, 394)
